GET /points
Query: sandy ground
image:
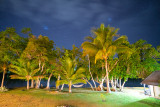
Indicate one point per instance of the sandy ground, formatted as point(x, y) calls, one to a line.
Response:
point(11, 100)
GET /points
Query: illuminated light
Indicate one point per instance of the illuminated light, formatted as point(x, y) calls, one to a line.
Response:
point(135, 92)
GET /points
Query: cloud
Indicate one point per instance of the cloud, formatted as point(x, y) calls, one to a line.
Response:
point(73, 11)
point(80, 13)
point(72, 16)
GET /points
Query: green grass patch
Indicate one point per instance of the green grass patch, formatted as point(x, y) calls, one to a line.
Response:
point(90, 97)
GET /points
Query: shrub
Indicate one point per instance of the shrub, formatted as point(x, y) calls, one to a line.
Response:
point(103, 98)
point(3, 89)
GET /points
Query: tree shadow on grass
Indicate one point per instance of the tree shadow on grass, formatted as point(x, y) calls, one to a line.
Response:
point(145, 102)
point(151, 101)
point(18, 88)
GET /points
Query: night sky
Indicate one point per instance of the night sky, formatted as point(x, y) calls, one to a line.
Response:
point(67, 22)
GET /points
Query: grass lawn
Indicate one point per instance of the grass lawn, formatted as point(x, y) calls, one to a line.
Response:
point(80, 97)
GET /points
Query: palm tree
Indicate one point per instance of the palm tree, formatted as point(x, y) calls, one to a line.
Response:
point(105, 46)
point(23, 70)
point(4, 68)
point(10, 46)
point(70, 74)
point(89, 54)
point(4, 63)
point(53, 68)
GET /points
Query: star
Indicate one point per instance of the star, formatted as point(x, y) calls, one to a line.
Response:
point(45, 27)
point(109, 19)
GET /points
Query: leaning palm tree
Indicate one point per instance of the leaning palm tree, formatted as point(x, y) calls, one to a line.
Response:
point(89, 54)
point(4, 69)
point(23, 70)
point(105, 45)
point(4, 63)
point(70, 74)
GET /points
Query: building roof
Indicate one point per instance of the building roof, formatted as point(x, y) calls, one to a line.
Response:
point(152, 79)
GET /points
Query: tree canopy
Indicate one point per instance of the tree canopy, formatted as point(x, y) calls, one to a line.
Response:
point(104, 56)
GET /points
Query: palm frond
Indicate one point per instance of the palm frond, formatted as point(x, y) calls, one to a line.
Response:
point(89, 38)
point(60, 82)
point(111, 50)
point(38, 76)
point(17, 77)
point(89, 47)
point(78, 81)
point(99, 55)
point(80, 70)
point(77, 76)
point(120, 40)
point(18, 70)
point(34, 72)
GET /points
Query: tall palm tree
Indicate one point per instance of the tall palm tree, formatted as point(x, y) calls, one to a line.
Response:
point(4, 69)
point(105, 45)
point(5, 59)
point(10, 47)
point(89, 54)
point(23, 70)
point(70, 74)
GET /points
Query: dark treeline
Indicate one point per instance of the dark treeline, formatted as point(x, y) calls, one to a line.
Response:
point(106, 57)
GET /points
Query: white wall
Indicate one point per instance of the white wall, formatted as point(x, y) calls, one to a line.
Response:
point(156, 91)
point(151, 90)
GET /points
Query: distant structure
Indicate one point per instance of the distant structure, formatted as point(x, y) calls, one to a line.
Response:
point(153, 80)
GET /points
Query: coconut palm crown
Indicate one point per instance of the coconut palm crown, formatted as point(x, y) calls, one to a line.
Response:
point(70, 74)
point(105, 45)
point(23, 70)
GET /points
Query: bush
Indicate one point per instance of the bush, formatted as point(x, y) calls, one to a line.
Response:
point(103, 98)
point(3, 89)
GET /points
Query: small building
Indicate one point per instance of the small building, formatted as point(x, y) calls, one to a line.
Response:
point(153, 80)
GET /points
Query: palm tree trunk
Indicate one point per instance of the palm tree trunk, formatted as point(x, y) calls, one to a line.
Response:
point(27, 84)
point(107, 75)
point(70, 86)
point(32, 83)
point(62, 87)
point(37, 83)
point(115, 84)
point(42, 67)
point(123, 85)
point(101, 84)
point(57, 87)
point(39, 64)
point(40, 78)
point(120, 84)
point(48, 82)
point(89, 83)
point(112, 82)
point(4, 72)
point(89, 63)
